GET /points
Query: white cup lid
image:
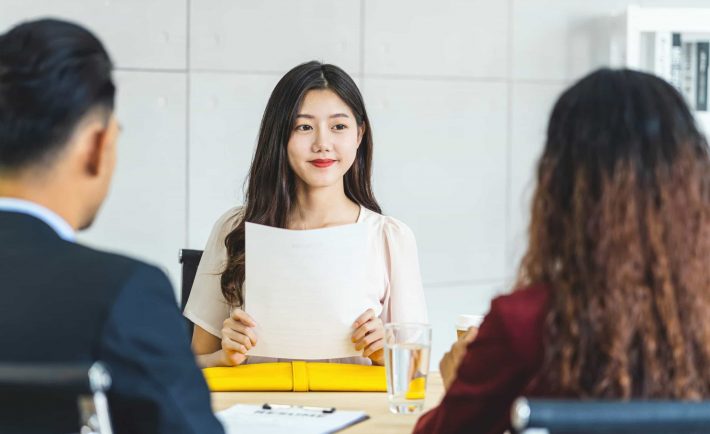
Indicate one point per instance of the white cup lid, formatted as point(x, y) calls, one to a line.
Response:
point(466, 321)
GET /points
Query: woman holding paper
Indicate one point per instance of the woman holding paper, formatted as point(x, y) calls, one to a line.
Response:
point(311, 170)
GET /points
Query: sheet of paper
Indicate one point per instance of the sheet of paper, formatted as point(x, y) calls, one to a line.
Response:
point(253, 419)
point(305, 289)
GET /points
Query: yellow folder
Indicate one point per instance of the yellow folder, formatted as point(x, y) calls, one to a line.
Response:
point(297, 377)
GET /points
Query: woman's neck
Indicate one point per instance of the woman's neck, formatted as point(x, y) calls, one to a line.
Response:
point(317, 208)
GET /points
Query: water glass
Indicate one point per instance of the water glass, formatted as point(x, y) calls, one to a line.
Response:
point(407, 349)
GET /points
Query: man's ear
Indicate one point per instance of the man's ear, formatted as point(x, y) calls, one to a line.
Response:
point(96, 141)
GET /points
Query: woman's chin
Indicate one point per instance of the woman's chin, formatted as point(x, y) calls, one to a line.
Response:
point(321, 182)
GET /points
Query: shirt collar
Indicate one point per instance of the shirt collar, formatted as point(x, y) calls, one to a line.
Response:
point(58, 224)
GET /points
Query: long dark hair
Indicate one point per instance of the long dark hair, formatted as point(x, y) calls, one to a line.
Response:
point(270, 193)
point(620, 232)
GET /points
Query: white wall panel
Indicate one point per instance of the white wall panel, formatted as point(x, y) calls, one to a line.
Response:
point(274, 35)
point(137, 33)
point(443, 38)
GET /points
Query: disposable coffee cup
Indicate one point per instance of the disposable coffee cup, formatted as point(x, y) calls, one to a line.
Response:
point(465, 322)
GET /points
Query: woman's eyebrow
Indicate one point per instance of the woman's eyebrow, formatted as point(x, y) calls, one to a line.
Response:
point(335, 115)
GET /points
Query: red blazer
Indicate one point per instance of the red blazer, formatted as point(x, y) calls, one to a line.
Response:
point(497, 368)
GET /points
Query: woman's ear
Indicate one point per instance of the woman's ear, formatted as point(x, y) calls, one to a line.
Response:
point(361, 133)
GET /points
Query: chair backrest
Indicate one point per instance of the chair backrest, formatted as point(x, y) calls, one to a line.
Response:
point(562, 416)
point(189, 259)
point(56, 397)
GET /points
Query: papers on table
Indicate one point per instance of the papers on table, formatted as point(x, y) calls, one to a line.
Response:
point(253, 419)
point(305, 289)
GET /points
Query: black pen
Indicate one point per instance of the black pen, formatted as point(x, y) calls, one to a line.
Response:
point(268, 406)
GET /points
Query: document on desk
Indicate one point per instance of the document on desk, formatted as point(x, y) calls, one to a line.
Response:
point(253, 419)
point(305, 289)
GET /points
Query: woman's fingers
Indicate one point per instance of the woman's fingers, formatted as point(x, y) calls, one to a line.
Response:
point(373, 347)
point(470, 335)
point(237, 333)
point(363, 318)
point(375, 335)
point(237, 327)
point(231, 358)
point(243, 317)
point(369, 326)
point(230, 345)
point(239, 338)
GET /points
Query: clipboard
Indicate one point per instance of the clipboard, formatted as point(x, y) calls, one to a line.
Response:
point(276, 418)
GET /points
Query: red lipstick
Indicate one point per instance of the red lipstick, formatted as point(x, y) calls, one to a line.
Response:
point(322, 163)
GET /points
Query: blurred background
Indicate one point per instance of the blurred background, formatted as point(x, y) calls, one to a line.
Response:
point(458, 91)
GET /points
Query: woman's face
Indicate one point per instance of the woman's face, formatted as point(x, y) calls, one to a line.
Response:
point(324, 139)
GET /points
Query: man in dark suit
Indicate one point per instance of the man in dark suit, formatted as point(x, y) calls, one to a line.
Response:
point(61, 301)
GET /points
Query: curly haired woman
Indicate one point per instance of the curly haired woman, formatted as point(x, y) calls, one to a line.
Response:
point(614, 290)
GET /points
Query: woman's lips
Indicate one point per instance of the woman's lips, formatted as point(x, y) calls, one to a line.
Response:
point(322, 163)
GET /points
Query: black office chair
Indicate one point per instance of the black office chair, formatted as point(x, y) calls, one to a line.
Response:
point(58, 398)
point(618, 417)
point(189, 259)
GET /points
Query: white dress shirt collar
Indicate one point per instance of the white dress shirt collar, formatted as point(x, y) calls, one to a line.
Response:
point(60, 226)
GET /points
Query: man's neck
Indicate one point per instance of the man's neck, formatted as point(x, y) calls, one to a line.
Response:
point(45, 195)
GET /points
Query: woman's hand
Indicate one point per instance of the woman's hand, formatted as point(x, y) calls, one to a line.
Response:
point(369, 336)
point(238, 337)
point(449, 364)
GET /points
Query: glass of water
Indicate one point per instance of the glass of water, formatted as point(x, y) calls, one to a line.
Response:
point(407, 347)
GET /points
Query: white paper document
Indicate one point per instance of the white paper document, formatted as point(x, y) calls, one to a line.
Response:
point(253, 419)
point(305, 289)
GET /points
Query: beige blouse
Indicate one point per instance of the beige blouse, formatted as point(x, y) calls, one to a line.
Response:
point(393, 272)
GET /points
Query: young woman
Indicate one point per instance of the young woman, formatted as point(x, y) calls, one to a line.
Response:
point(615, 285)
point(311, 169)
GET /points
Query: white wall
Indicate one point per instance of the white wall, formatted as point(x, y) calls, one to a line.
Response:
point(458, 92)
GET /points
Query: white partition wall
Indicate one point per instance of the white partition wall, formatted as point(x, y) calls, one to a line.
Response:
point(272, 35)
point(140, 34)
point(458, 91)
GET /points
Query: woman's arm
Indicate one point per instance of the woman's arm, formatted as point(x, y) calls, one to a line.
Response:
point(207, 348)
point(405, 299)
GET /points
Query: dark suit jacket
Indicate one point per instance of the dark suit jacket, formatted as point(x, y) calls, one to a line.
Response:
point(497, 368)
point(64, 302)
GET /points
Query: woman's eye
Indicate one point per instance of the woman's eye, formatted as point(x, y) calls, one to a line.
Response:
point(304, 128)
point(340, 127)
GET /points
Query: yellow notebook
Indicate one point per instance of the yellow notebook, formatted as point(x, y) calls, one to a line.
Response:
point(297, 377)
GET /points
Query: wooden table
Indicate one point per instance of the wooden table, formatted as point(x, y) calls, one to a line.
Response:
point(374, 404)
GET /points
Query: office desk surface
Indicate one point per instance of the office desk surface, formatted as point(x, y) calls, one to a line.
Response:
point(374, 404)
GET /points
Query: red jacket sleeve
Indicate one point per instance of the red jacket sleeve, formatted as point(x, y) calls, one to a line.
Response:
point(494, 372)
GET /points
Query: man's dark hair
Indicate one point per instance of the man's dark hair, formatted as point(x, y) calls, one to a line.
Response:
point(52, 73)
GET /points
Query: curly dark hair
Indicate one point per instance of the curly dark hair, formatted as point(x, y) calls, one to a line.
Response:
point(620, 231)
